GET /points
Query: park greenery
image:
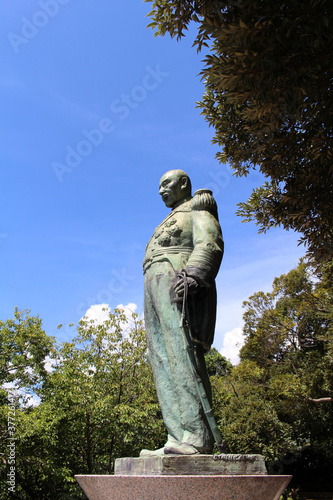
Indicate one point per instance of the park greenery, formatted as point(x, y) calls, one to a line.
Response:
point(268, 94)
point(94, 397)
point(96, 403)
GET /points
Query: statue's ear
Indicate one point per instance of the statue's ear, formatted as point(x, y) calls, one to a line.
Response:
point(184, 182)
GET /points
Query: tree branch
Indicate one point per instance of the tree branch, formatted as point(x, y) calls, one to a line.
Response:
point(320, 400)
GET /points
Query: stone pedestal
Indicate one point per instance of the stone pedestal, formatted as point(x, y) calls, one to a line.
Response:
point(187, 487)
point(196, 477)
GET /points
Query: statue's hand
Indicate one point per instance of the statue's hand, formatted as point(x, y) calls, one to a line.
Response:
point(192, 284)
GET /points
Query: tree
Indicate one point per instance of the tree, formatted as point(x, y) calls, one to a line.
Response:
point(216, 364)
point(24, 352)
point(289, 332)
point(250, 421)
point(97, 404)
point(268, 80)
point(104, 377)
point(24, 348)
point(289, 350)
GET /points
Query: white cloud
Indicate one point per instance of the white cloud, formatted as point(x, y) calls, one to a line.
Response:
point(232, 343)
point(31, 400)
point(98, 313)
point(26, 399)
point(49, 364)
point(10, 386)
point(129, 309)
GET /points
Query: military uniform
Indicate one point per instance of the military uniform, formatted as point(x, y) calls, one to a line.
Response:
point(189, 238)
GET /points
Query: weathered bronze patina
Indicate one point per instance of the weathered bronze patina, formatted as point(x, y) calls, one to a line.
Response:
point(181, 262)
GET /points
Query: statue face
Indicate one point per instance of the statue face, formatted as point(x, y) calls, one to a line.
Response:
point(172, 188)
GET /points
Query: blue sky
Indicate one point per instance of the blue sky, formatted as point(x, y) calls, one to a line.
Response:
point(94, 111)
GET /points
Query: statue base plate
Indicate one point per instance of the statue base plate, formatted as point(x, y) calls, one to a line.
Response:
point(224, 464)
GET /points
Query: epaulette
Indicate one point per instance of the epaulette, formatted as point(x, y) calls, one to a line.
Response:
point(203, 200)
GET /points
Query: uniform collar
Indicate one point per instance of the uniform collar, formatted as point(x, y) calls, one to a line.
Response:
point(180, 202)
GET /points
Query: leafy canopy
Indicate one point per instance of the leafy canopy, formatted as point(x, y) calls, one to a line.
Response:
point(97, 403)
point(24, 349)
point(279, 400)
point(268, 80)
point(289, 333)
point(289, 339)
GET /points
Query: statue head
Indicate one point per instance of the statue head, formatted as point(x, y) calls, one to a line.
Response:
point(175, 186)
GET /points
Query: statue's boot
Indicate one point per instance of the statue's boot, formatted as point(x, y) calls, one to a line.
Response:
point(152, 453)
point(180, 449)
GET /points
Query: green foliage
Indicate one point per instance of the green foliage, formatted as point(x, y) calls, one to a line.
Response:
point(97, 404)
point(278, 400)
point(256, 428)
point(289, 331)
point(24, 352)
point(246, 415)
point(104, 377)
point(268, 81)
point(216, 364)
point(24, 347)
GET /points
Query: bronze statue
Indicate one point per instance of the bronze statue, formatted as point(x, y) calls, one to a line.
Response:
point(181, 262)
